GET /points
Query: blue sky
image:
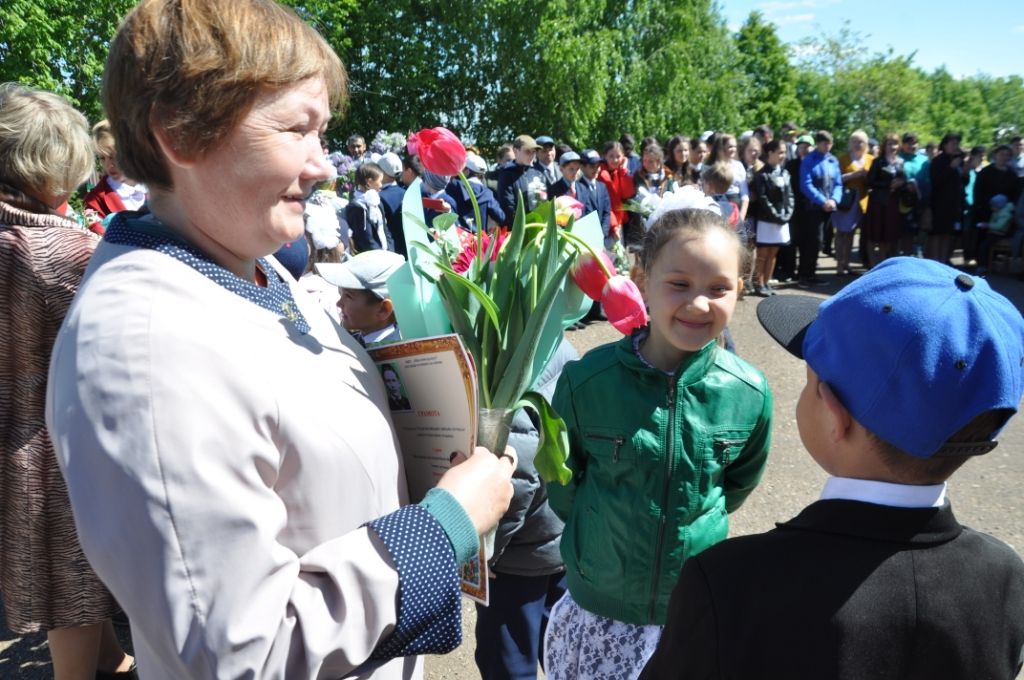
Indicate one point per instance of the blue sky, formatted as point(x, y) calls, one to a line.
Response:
point(984, 36)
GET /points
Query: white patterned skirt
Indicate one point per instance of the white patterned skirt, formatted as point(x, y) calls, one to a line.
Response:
point(581, 645)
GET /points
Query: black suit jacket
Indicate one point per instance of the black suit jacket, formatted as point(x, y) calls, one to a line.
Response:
point(849, 590)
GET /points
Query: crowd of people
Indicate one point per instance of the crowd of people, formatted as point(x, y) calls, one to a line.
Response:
point(790, 198)
point(192, 432)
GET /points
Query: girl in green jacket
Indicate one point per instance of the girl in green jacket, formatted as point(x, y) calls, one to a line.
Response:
point(668, 434)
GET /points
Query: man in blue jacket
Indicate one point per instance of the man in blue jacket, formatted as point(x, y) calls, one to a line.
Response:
point(521, 175)
point(822, 184)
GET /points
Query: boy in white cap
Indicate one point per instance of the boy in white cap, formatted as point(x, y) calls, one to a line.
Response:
point(366, 308)
point(391, 195)
point(911, 370)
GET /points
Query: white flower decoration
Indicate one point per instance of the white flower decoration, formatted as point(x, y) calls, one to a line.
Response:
point(687, 197)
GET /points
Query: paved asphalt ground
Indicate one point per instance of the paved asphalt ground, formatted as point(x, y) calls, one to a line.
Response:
point(985, 493)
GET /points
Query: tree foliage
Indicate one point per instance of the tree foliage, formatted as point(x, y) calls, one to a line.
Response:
point(59, 45)
point(770, 94)
point(582, 71)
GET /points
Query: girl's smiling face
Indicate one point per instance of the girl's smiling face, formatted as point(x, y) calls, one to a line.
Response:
point(691, 290)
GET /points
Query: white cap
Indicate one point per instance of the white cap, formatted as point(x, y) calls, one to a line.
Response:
point(475, 164)
point(366, 271)
point(391, 164)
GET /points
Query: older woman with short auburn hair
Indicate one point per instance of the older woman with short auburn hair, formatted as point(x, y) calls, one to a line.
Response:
point(264, 511)
point(45, 581)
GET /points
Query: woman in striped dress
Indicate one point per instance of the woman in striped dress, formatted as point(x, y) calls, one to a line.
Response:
point(45, 581)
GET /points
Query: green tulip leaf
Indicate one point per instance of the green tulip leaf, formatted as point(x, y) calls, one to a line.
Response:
point(477, 292)
point(518, 377)
point(444, 221)
point(553, 449)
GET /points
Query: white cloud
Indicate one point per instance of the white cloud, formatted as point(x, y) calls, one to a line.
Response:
point(793, 19)
point(1019, 29)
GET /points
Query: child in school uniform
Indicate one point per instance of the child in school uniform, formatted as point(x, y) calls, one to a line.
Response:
point(911, 370)
point(365, 304)
point(363, 213)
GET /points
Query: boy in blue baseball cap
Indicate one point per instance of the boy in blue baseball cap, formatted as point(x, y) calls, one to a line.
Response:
point(911, 371)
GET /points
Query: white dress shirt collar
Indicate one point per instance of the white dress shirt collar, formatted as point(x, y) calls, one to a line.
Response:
point(884, 493)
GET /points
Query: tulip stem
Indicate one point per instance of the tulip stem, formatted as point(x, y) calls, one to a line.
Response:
point(580, 243)
point(476, 215)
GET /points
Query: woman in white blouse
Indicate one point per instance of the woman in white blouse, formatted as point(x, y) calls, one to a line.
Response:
point(232, 467)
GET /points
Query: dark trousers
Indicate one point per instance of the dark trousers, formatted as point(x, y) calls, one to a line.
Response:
point(827, 237)
point(510, 632)
point(810, 242)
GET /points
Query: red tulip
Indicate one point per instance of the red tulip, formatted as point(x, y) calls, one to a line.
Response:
point(623, 304)
point(440, 150)
point(590, 276)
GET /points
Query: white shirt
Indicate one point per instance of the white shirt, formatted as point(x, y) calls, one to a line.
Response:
point(133, 196)
point(387, 334)
point(884, 493)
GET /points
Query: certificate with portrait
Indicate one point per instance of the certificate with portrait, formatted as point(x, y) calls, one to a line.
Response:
point(431, 390)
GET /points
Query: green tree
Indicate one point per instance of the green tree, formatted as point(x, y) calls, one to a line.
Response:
point(957, 105)
point(841, 89)
point(554, 78)
point(770, 91)
point(675, 71)
point(59, 45)
point(1004, 98)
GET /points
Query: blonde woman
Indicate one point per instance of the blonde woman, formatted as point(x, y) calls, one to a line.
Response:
point(854, 166)
point(45, 580)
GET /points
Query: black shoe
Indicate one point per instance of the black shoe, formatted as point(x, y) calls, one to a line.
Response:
point(578, 326)
point(130, 674)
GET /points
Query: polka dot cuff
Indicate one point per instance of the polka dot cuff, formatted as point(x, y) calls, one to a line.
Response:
point(429, 599)
point(144, 231)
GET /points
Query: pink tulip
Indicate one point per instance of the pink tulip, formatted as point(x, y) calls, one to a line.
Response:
point(566, 206)
point(590, 276)
point(440, 150)
point(623, 304)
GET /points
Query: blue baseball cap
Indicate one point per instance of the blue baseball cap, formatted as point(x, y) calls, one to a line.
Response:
point(544, 140)
point(914, 349)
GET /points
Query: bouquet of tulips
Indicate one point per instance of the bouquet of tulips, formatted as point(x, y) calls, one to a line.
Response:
point(508, 296)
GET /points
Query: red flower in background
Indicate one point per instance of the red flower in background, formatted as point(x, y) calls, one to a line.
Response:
point(623, 304)
point(440, 150)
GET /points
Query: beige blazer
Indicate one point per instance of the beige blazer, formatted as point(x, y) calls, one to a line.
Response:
point(220, 466)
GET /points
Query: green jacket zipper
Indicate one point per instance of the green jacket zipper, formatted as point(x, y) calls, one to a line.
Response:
point(663, 520)
point(619, 441)
point(723, 446)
